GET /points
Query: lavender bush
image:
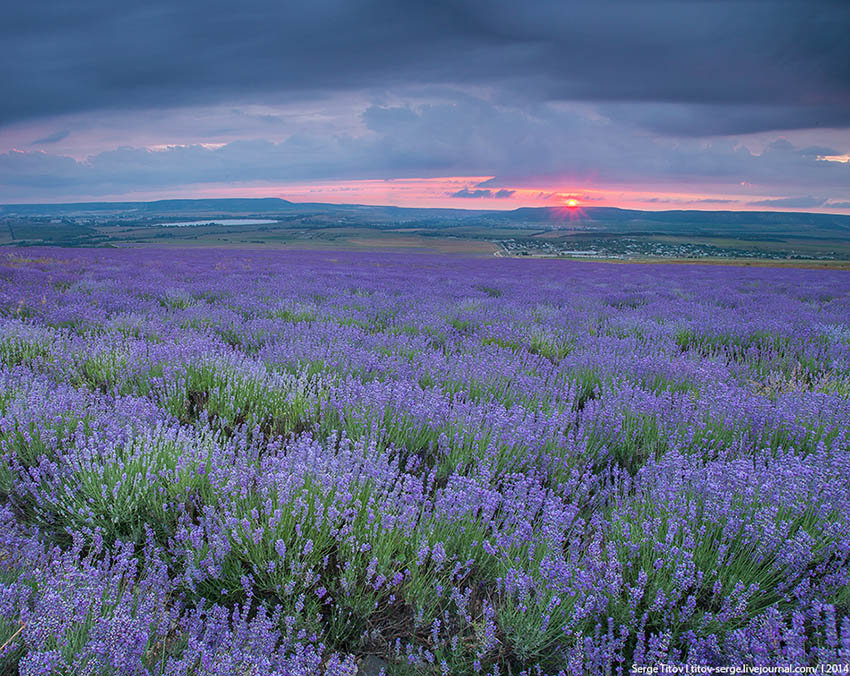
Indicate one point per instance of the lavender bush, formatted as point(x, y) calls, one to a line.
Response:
point(234, 462)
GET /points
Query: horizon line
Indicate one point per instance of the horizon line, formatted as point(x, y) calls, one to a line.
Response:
point(580, 207)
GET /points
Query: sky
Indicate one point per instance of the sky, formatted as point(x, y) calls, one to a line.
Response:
point(657, 104)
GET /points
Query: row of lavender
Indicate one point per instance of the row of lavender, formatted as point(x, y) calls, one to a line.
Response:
point(221, 462)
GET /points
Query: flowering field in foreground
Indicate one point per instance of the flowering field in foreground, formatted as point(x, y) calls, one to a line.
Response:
point(231, 462)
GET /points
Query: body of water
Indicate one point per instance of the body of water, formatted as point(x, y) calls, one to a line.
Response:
point(220, 221)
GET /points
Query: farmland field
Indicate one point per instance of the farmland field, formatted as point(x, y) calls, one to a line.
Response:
point(285, 462)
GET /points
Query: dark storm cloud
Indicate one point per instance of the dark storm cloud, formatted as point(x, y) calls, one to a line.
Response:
point(765, 64)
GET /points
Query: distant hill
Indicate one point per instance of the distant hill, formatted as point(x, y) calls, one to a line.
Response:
point(158, 207)
point(769, 220)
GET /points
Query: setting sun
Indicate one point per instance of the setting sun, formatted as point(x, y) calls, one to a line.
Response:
point(572, 203)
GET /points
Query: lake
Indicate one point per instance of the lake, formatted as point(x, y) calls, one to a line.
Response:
point(220, 221)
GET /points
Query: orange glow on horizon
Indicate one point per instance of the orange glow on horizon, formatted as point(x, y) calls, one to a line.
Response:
point(572, 203)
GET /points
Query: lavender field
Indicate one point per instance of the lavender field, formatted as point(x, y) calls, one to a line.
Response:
point(235, 462)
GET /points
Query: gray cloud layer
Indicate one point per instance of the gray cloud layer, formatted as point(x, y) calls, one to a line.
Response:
point(482, 193)
point(55, 137)
point(521, 146)
point(807, 202)
point(692, 66)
